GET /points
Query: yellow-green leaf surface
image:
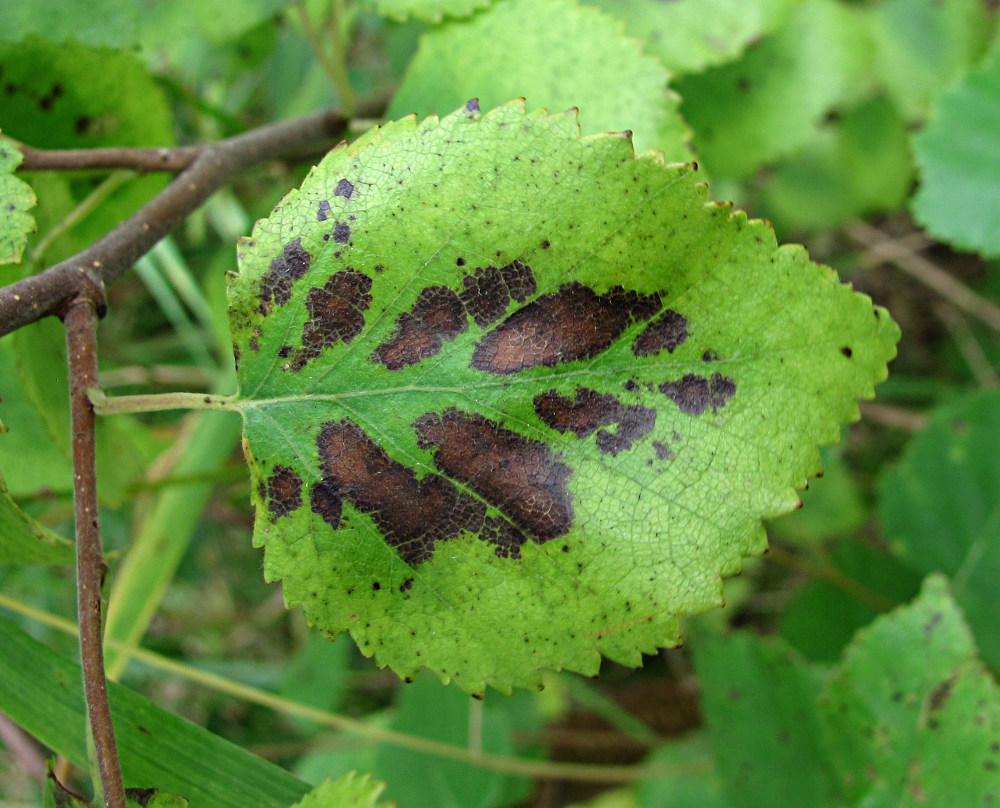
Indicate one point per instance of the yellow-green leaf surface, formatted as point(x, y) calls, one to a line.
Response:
point(690, 35)
point(517, 399)
point(431, 10)
point(555, 54)
point(16, 198)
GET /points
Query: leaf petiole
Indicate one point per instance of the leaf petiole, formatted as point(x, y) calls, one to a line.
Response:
point(121, 405)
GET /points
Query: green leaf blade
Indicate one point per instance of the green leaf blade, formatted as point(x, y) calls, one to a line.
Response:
point(16, 199)
point(912, 716)
point(498, 379)
point(555, 54)
point(960, 170)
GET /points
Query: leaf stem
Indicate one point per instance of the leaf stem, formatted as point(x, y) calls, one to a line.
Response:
point(160, 402)
point(333, 62)
point(81, 348)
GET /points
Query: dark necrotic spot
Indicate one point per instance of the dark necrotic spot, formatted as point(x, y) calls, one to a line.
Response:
point(488, 291)
point(344, 188)
point(436, 317)
point(846, 351)
point(236, 355)
point(342, 232)
point(591, 410)
point(573, 323)
point(545, 244)
point(520, 477)
point(666, 332)
point(406, 585)
point(506, 539)
point(376, 586)
point(336, 313)
point(695, 394)
point(323, 213)
point(412, 514)
point(472, 105)
point(326, 503)
point(284, 492)
point(276, 285)
point(710, 356)
point(663, 452)
point(460, 262)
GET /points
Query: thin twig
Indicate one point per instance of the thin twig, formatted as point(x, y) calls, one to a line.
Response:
point(918, 267)
point(81, 348)
point(143, 160)
point(88, 273)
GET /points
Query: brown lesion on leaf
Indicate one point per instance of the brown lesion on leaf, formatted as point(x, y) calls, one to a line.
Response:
point(572, 324)
point(276, 284)
point(323, 212)
point(487, 293)
point(345, 188)
point(522, 478)
point(665, 333)
point(326, 503)
point(436, 317)
point(336, 313)
point(412, 514)
point(342, 232)
point(694, 394)
point(589, 411)
point(284, 492)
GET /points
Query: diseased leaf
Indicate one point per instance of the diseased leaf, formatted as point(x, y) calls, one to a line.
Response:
point(959, 196)
point(16, 198)
point(940, 506)
point(517, 399)
point(557, 55)
point(690, 35)
point(430, 10)
point(912, 716)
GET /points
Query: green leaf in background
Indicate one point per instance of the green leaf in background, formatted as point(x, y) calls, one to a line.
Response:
point(697, 783)
point(69, 95)
point(16, 198)
point(922, 46)
point(771, 101)
point(515, 399)
point(430, 10)
point(349, 791)
point(42, 693)
point(556, 55)
point(96, 22)
point(912, 716)
point(429, 710)
point(959, 196)
point(690, 35)
point(759, 701)
point(25, 541)
point(862, 582)
point(857, 164)
point(940, 506)
point(171, 26)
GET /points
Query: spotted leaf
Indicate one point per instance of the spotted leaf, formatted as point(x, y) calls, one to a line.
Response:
point(517, 399)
